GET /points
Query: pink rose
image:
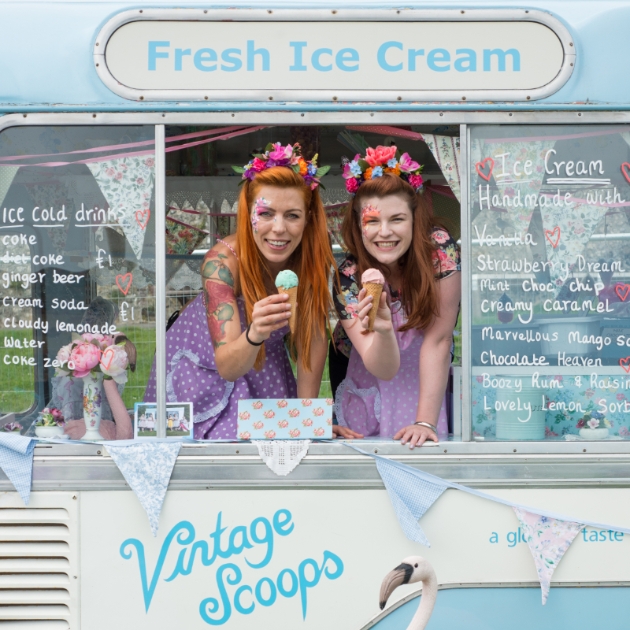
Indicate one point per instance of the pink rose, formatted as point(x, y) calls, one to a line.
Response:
point(415, 181)
point(245, 435)
point(319, 431)
point(283, 424)
point(318, 412)
point(84, 357)
point(407, 165)
point(330, 402)
point(110, 172)
point(139, 181)
point(119, 176)
point(270, 435)
point(380, 155)
point(257, 405)
point(114, 363)
point(294, 413)
point(259, 165)
point(352, 185)
point(306, 402)
point(294, 433)
point(258, 425)
point(281, 153)
point(282, 403)
point(63, 356)
point(149, 162)
point(244, 415)
point(269, 414)
point(307, 423)
point(440, 236)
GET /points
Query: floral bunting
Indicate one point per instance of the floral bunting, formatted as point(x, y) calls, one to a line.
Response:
point(445, 150)
point(16, 461)
point(127, 185)
point(548, 539)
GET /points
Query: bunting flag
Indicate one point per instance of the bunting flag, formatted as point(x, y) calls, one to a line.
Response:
point(127, 185)
point(147, 468)
point(16, 461)
point(411, 497)
point(7, 175)
point(548, 540)
point(445, 150)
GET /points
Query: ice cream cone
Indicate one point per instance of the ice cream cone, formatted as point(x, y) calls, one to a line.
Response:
point(375, 291)
point(292, 293)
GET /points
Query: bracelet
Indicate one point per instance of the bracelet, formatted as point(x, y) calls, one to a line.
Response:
point(427, 425)
point(260, 343)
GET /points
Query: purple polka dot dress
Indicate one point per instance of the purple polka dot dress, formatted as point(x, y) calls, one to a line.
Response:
point(192, 375)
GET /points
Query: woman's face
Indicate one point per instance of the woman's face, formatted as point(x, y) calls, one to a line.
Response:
point(386, 227)
point(278, 219)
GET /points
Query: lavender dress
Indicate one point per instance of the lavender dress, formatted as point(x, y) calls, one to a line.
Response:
point(192, 376)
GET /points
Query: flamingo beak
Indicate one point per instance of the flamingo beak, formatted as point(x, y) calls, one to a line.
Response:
point(400, 575)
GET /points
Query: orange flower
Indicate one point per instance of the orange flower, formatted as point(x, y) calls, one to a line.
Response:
point(303, 166)
point(395, 170)
point(368, 173)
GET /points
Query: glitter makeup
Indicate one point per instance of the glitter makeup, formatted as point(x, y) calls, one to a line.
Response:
point(368, 212)
point(260, 205)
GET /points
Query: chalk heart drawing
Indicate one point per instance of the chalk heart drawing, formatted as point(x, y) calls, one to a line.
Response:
point(625, 364)
point(625, 169)
point(107, 358)
point(480, 167)
point(123, 282)
point(622, 290)
point(142, 218)
point(553, 236)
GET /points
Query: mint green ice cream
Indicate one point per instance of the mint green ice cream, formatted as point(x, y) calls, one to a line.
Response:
point(286, 279)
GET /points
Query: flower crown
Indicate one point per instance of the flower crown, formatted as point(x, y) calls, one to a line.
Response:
point(289, 156)
point(379, 161)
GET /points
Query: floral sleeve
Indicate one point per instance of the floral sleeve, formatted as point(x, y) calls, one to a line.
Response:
point(346, 296)
point(447, 256)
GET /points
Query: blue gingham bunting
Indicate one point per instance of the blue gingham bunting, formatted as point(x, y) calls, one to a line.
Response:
point(16, 461)
point(411, 497)
point(147, 468)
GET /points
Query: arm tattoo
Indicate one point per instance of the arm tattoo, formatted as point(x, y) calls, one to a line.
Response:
point(218, 285)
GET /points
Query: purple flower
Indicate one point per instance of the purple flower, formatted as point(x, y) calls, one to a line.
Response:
point(280, 153)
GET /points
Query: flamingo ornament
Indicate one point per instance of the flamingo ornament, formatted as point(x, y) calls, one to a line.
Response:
point(411, 570)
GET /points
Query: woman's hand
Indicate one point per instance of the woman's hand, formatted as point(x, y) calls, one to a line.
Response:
point(383, 320)
point(345, 433)
point(416, 435)
point(271, 313)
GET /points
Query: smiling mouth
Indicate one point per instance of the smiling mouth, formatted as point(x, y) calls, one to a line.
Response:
point(278, 245)
point(386, 244)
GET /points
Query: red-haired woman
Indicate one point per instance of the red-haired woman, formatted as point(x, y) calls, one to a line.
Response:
point(397, 374)
point(228, 343)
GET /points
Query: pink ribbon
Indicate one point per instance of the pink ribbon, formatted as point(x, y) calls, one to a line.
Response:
point(387, 131)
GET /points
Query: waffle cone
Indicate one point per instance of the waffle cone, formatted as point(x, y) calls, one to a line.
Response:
point(375, 291)
point(292, 293)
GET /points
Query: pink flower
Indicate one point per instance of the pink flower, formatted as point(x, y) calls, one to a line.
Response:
point(114, 363)
point(283, 424)
point(259, 165)
point(319, 431)
point(593, 423)
point(245, 435)
point(282, 403)
point(294, 433)
point(440, 236)
point(281, 153)
point(306, 402)
point(349, 270)
point(139, 181)
point(258, 425)
point(307, 423)
point(119, 176)
point(329, 422)
point(270, 435)
point(351, 309)
point(244, 415)
point(415, 181)
point(269, 414)
point(294, 413)
point(620, 396)
point(149, 162)
point(63, 356)
point(624, 431)
point(84, 357)
point(379, 156)
point(257, 405)
point(110, 172)
point(352, 185)
point(407, 165)
point(330, 402)
point(318, 411)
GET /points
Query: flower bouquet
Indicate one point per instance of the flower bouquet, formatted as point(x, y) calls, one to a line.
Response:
point(593, 426)
point(93, 357)
point(50, 423)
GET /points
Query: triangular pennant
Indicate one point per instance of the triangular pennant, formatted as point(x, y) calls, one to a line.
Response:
point(16, 461)
point(147, 468)
point(411, 497)
point(445, 150)
point(548, 540)
point(7, 175)
point(567, 230)
point(127, 185)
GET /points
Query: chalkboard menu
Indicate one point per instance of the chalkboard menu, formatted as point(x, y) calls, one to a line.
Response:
point(76, 257)
point(550, 243)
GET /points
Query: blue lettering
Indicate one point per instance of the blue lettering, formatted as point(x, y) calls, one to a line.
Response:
point(179, 55)
point(272, 592)
point(501, 59)
point(290, 592)
point(298, 64)
point(316, 59)
point(203, 57)
point(210, 605)
point(231, 56)
point(251, 52)
point(283, 527)
point(234, 549)
point(413, 53)
point(382, 61)
point(237, 600)
point(154, 55)
point(439, 56)
point(267, 539)
point(467, 62)
point(346, 56)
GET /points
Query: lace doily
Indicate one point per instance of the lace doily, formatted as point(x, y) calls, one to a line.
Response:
point(282, 456)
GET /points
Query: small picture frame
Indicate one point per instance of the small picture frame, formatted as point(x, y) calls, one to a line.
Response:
point(179, 420)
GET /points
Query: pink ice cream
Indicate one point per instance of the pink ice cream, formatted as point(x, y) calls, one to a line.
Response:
point(372, 276)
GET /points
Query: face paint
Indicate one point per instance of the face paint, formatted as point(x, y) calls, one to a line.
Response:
point(368, 213)
point(260, 206)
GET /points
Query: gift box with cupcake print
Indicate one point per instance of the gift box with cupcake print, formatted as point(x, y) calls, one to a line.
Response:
point(285, 419)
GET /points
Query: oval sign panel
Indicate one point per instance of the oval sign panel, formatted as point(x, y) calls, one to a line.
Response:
point(318, 55)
